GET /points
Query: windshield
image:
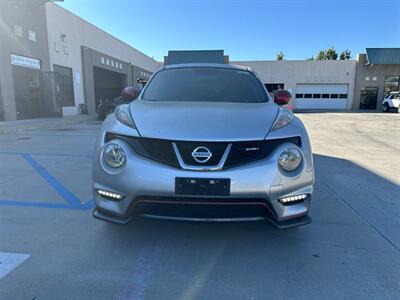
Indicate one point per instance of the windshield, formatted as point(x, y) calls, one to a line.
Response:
point(199, 84)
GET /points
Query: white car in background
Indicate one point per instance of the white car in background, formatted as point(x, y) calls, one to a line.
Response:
point(391, 102)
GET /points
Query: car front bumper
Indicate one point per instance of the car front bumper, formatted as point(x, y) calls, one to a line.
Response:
point(254, 191)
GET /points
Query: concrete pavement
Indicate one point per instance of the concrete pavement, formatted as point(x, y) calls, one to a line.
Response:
point(350, 251)
point(8, 127)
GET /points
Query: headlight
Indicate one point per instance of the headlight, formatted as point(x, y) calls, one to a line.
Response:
point(285, 116)
point(114, 155)
point(123, 115)
point(290, 159)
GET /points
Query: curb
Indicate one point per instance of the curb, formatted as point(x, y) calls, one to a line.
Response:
point(7, 127)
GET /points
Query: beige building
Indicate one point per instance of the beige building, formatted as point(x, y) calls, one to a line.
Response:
point(52, 62)
point(323, 84)
point(378, 72)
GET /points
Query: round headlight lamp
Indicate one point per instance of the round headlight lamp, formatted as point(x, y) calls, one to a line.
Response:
point(290, 159)
point(114, 155)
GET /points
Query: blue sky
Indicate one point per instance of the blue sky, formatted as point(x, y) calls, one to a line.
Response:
point(246, 30)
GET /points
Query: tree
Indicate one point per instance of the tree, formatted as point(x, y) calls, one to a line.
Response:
point(328, 54)
point(345, 55)
point(310, 58)
point(331, 54)
point(321, 55)
point(280, 56)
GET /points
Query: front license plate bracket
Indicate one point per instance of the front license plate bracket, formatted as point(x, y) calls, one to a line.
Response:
point(202, 186)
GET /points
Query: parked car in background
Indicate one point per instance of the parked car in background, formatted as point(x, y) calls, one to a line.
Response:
point(204, 142)
point(127, 95)
point(391, 102)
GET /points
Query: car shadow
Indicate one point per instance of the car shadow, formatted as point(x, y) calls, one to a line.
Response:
point(193, 259)
point(346, 188)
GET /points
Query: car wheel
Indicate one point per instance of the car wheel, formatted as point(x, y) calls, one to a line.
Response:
point(385, 107)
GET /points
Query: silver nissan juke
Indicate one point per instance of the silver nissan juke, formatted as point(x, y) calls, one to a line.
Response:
point(204, 142)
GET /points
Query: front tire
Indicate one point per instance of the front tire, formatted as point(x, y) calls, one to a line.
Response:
point(385, 107)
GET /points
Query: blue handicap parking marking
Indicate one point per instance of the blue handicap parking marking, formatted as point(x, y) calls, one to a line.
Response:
point(82, 206)
point(72, 202)
point(54, 183)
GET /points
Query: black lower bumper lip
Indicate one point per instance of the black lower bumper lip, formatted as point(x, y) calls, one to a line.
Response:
point(191, 219)
point(304, 220)
point(98, 214)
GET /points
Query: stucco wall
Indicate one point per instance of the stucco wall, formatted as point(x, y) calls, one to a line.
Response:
point(79, 32)
point(376, 78)
point(292, 72)
point(28, 17)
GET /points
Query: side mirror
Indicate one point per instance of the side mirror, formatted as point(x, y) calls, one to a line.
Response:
point(282, 97)
point(130, 93)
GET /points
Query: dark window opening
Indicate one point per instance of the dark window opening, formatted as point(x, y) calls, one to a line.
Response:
point(107, 85)
point(307, 96)
point(316, 96)
point(325, 96)
point(343, 96)
point(273, 87)
point(334, 96)
point(369, 97)
point(65, 85)
point(392, 84)
point(299, 95)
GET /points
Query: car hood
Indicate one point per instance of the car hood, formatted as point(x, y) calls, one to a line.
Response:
point(203, 121)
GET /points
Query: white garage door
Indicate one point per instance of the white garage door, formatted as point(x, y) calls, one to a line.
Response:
point(321, 96)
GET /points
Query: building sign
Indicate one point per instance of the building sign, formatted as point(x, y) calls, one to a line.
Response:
point(145, 74)
point(26, 62)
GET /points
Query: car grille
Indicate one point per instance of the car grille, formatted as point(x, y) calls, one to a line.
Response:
point(155, 149)
point(239, 154)
point(216, 148)
point(246, 152)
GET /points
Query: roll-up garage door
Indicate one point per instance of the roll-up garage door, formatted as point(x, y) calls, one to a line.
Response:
point(321, 96)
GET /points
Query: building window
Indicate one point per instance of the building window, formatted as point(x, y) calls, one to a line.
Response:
point(325, 96)
point(334, 96)
point(271, 87)
point(392, 83)
point(307, 96)
point(316, 96)
point(343, 96)
point(66, 85)
point(366, 78)
point(299, 96)
point(18, 31)
point(32, 35)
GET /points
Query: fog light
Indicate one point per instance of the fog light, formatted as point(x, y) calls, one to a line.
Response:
point(114, 155)
point(290, 159)
point(110, 195)
point(292, 199)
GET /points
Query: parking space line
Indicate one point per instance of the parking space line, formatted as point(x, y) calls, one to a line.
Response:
point(88, 156)
point(53, 182)
point(73, 202)
point(9, 261)
point(81, 206)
